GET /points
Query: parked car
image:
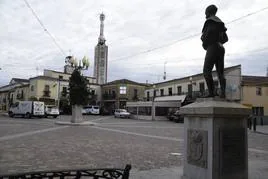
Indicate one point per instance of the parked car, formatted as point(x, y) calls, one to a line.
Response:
point(95, 110)
point(52, 111)
point(105, 111)
point(178, 117)
point(171, 115)
point(90, 110)
point(27, 109)
point(121, 113)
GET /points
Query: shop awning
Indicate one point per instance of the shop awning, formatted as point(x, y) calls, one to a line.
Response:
point(180, 98)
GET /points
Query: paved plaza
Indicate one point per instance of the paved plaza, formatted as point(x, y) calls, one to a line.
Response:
point(153, 148)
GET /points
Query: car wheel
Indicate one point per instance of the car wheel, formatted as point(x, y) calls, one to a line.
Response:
point(114, 116)
point(28, 115)
point(11, 114)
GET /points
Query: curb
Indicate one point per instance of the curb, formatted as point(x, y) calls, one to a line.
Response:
point(75, 124)
point(3, 114)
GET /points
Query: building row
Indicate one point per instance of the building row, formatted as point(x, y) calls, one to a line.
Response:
point(143, 100)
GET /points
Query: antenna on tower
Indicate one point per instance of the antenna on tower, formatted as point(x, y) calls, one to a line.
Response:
point(37, 70)
point(165, 73)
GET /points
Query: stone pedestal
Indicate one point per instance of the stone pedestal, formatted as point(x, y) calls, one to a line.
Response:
point(215, 135)
point(77, 114)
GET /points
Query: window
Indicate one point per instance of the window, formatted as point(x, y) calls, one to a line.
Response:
point(46, 87)
point(135, 96)
point(162, 92)
point(148, 95)
point(202, 87)
point(60, 77)
point(46, 91)
point(135, 92)
point(102, 54)
point(113, 94)
point(179, 90)
point(170, 91)
point(21, 94)
point(123, 90)
point(258, 91)
point(92, 92)
point(32, 87)
point(64, 91)
point(258, 111)
point(154, 93)
point(190, 90)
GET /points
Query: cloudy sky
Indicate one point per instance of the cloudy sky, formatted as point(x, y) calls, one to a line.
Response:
point(141, 36)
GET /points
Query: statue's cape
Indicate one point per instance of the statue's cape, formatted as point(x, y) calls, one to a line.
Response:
point(214, 19)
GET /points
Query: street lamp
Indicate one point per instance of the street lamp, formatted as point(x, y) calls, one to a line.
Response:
point(153, 103)
point(73, 62)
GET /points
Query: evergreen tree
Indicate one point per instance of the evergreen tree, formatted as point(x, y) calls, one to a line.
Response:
point(78, 89)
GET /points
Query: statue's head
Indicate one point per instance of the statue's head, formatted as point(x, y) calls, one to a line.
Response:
point(211, 10)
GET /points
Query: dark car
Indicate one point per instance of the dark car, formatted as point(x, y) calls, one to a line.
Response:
point(170, 115)
point(177, 117)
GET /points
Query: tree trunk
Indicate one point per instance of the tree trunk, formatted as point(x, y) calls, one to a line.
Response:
point(76, 114)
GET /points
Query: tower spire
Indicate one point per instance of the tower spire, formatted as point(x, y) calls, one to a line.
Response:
point(101, 37)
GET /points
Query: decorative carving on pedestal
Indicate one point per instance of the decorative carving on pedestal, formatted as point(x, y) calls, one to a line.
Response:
point(197, 150)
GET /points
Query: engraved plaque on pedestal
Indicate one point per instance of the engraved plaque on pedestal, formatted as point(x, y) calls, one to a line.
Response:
point(232, 151)
point(197, 149)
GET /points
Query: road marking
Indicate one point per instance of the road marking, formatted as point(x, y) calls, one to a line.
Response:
point(101, 118)
point(164, 138)
point(257, 150)
point(138, 134)
point(155, 127)
point(14, 136)
point(176, 154)
point(116, 123)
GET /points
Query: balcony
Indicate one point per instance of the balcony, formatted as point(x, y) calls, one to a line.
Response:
point(192, 95)
point(109, 96)
point(135, 98)
point(46, 93)
point(20, 96)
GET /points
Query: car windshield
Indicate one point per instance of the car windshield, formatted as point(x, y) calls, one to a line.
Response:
point(95, 107)
point(122, 110)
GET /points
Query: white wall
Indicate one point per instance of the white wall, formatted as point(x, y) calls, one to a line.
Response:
point(233, 84)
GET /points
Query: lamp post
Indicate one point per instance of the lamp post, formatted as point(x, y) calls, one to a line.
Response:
point(78, 87)
point(153, 103)
point(58, 93)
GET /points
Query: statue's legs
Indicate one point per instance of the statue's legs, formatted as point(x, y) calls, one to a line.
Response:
point(220, 70)
point(207, 69)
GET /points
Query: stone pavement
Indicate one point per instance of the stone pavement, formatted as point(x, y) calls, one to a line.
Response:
point(39, 144)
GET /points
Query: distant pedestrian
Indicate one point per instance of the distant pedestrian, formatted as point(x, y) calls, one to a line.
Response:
point(254, 124)
point(250, 122)
point(261, 121)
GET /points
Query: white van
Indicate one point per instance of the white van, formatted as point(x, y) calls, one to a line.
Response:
point(27, 109)
point(91, 110)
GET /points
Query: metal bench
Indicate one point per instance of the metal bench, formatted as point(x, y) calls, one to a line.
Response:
point(106, 173)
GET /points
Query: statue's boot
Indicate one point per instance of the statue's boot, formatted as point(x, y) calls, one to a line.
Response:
point(210, 85)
